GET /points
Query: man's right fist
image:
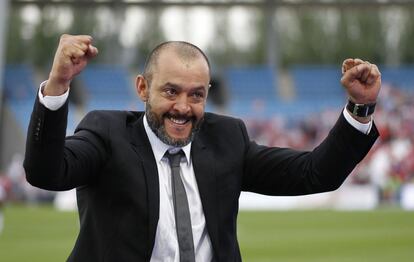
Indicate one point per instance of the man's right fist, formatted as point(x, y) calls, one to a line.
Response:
point(71, 57)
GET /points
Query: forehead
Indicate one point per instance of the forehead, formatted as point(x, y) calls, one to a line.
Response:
point(171, 64)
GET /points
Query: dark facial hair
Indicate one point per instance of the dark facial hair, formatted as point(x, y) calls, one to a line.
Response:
point(157, 126)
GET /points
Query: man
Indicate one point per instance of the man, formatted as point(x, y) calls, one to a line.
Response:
point(122, 163)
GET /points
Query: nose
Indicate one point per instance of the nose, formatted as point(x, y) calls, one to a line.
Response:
point(181, 105)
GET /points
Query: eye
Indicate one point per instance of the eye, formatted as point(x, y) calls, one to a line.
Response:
point(170, 91)
point(198, 95)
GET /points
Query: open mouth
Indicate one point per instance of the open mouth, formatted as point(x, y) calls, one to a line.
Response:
point(179, 120)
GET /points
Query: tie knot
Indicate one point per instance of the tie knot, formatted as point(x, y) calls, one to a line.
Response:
point(175, 158)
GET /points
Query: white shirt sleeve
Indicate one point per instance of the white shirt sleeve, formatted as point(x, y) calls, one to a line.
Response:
point(364, 128)
point(52, 102)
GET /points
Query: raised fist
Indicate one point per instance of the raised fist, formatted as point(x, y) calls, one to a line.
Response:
point(362, 80)
point(71, 57)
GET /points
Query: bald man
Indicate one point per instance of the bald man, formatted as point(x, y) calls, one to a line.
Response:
point(119, 161)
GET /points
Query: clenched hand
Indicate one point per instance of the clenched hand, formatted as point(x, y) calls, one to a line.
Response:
point(71, 57)
point(362, 80)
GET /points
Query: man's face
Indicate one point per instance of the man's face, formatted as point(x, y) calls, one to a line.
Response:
point(177, 97)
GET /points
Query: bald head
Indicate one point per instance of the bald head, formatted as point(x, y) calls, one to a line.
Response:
point(185, 51)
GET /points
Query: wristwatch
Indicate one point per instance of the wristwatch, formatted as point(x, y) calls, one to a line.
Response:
point(361, 110)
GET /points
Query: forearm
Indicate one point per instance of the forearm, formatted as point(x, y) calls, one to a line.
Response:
point(44, 158)
point(336, 157)
point(56, 162)
point(283, 171)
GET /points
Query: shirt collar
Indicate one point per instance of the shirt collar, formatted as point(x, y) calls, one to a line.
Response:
point(159, 148)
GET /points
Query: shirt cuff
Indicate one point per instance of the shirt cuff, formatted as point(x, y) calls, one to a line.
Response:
point(364, 128)
point(52, 103)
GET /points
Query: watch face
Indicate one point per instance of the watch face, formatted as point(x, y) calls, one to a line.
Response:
point(356, 110)
point(361, 110)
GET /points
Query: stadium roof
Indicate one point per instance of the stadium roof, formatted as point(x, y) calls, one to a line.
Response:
point(223, 3)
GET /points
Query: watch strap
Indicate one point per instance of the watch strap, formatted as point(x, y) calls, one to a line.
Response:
point(361, 110)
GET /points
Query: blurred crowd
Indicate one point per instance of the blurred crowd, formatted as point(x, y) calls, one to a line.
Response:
point(15, 187)
point(388, 166)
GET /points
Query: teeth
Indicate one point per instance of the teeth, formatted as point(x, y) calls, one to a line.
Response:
point(178, 121)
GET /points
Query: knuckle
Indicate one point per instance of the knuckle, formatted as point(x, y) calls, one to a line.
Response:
point(65, 52)
point(63, 37)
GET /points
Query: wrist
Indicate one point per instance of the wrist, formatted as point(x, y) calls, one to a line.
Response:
point(52, 103)
point(55, 88)
point(361, 112)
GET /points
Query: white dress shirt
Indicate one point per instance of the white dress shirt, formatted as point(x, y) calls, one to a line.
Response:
point(166, 243)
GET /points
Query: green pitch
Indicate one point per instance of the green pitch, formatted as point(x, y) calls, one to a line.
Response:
point(43, 234)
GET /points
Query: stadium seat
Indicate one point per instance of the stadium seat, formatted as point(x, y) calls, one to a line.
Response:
point(252, 90)
point(108, 87)
point(317, 88)
point(251, 82)
point(19, 82)
point(320, 82)
point(401, 77)
point(20, 92)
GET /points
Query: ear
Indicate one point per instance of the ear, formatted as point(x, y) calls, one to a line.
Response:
point(142, 88)
point(208, 90)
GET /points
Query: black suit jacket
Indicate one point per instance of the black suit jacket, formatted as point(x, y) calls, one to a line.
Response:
point(110, 161)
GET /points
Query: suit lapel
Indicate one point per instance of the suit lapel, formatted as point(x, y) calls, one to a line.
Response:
point(207, 185)
point(142, 146)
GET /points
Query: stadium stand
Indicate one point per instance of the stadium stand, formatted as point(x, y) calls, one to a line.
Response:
point(19, 82)
point(20, 92)
point(251, 82)
point(253, 97)
point(401, 77)
point(252, 90)
point(317, 81)
point(316, 88)
point(108, 87)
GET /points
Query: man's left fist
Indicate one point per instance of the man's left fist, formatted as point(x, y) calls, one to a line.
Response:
point(362, 80)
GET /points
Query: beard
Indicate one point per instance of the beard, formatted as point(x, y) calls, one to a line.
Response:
point(156, 123)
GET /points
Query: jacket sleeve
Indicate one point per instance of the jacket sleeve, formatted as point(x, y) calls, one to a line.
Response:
point(54, 162)
point(283, 171)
